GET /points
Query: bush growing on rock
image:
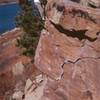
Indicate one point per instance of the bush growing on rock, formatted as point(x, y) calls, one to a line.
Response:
point(32, 26)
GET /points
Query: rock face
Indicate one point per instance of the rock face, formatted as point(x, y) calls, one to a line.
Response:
point(9, 53)
point(34, 90)
point(91, 3)
point(14, 68)
point(69, 52)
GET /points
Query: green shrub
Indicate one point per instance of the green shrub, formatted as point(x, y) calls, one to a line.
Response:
point(32, 26)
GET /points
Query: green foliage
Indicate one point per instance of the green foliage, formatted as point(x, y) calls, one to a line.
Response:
point(32, 26)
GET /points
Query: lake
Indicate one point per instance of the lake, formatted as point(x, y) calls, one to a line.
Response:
point(7, 16)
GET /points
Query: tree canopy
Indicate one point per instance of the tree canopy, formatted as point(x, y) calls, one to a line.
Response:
point(32, 26)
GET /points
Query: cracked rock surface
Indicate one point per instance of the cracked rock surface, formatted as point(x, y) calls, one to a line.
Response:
point(68, 52)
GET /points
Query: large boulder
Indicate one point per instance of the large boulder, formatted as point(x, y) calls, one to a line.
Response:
point(68, 52)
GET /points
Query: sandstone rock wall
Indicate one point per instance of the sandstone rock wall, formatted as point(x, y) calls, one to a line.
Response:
point(69, 52)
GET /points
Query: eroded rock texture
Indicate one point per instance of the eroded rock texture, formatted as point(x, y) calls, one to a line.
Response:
point(14, 67)
point(69, 52)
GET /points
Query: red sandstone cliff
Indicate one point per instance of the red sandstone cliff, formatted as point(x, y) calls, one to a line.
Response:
point(68, 55)
point(69, 52)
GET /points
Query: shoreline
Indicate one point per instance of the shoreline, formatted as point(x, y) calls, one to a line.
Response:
point(10, 31)
point(2, 4)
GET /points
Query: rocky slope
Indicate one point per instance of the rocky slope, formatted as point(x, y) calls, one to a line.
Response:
point(67, 56)
point(68, 52)
point(15, 69)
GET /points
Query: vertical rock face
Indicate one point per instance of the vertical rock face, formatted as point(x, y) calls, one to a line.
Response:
point(69, 52)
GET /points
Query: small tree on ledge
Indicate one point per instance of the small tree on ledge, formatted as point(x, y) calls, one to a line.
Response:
point(32, 26)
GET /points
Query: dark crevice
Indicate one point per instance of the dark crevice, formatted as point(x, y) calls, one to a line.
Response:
point(77, 60)
point(78, 1)
point(82, 14)
point(80, 34)
point(98, 33)
point(60, 8)
point(89, 94)
point(92, 6)
point(62, 66)
point(54, 5)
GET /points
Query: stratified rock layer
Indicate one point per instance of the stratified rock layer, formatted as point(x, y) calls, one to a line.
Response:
point(69, 52)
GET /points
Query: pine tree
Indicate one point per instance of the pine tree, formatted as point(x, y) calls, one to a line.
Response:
point(32, 26)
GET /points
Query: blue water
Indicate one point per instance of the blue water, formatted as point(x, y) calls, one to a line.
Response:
point(7, 16)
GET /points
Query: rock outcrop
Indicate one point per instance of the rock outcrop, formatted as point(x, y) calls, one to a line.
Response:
point(15, 68)
point(68, 52)
point(67, 56)
point(9, 52)
point(90, 3)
